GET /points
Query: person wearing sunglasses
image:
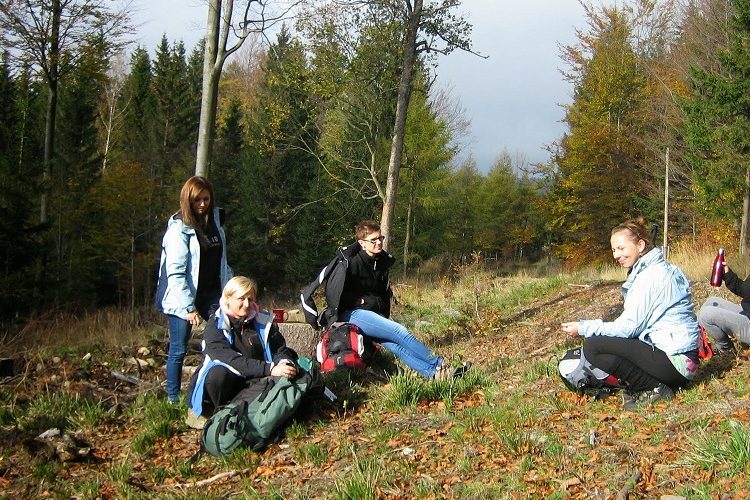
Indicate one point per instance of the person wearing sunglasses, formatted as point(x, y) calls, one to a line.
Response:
point(358, 290)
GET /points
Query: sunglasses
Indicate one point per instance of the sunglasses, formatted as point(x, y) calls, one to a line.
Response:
point(374, 241)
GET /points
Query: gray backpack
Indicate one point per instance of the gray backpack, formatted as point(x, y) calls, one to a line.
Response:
point(580, 376)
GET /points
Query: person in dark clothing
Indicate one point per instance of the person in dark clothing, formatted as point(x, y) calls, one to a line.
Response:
point(240, 342)
point(358, 291)
point(724, 319)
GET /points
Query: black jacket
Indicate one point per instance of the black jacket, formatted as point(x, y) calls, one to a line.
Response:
point(353, 280)
point(740, 288)
point(239, 346)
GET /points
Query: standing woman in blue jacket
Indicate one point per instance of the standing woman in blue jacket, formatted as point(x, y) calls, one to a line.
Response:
point(653, 345)
point(192, 272)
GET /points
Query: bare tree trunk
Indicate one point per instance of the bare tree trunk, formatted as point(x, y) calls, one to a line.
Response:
point(745, 210)
point(409, 215)
point(212, 65)
point(132, 276)
point(49, 126)
point(399, 128)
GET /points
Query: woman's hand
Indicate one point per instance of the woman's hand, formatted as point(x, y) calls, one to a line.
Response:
point(571, 328)
point(194, 318)
point(284, 369)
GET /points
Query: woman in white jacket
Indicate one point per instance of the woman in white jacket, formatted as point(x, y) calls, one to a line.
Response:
point(652, 346)
point(192, 272)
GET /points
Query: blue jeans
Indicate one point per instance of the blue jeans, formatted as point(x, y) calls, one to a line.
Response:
point(179, 333)
point(397, 339)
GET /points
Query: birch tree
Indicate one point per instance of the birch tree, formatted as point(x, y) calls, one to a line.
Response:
point(227, 27)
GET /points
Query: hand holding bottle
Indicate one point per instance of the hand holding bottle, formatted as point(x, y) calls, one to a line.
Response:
point(718, 269)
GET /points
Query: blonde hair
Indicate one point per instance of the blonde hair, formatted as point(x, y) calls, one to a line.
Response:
point(239, 286)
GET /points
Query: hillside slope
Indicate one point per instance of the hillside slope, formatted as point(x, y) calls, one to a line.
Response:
point(509, 430)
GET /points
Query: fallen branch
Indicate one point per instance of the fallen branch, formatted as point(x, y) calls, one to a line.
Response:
point(212, 479)
point(630, 485)
point(126, 378)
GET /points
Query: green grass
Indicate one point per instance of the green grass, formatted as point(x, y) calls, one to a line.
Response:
point(406, 390)
point(158, 419)
point(61, 411)
point(313, 453)
point(714, 451)
point(361, 481)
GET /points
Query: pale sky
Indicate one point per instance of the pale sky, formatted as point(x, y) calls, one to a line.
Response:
point(512, 98)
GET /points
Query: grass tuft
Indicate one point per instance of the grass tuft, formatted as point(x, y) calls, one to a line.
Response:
point(715, 451)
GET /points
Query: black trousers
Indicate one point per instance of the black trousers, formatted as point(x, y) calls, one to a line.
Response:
point(640, 365)
point(219, 388)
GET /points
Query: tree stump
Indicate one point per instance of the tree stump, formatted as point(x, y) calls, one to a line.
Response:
point(301, 337)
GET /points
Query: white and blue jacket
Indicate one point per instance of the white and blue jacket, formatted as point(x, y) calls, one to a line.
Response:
point(658, 308)
point(180, 265)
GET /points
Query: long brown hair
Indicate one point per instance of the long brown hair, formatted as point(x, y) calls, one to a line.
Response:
point(190, 191)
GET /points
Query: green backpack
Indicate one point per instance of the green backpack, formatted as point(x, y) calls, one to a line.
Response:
point(258, 411)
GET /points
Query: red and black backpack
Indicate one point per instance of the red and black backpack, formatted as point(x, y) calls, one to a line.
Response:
point(344, 345)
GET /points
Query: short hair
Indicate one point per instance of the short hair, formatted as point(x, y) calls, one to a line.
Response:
point(190, 191)
point(638, 229)
point(364, 228)
point(239, 286)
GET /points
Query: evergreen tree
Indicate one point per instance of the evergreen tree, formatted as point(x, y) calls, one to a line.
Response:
point(718, 129)
point(278, 180)
point(19, 234)
point(139, 128)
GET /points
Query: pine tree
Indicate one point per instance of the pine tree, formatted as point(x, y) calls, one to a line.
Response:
point(718, 129)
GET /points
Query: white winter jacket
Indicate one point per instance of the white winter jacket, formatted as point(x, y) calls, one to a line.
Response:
point(180, 264)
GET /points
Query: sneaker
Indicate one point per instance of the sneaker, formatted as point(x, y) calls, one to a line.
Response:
point(629, 400)
point(661, 392)
point(195, 422)
point(728, 352)
point(632, 399)
point(443, 372)
point(461, 370)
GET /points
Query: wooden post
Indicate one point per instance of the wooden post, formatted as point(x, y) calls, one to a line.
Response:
point(664, 246)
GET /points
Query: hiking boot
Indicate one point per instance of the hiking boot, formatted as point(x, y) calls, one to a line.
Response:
point(195, 422)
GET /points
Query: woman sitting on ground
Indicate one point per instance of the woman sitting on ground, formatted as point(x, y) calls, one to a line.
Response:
point(240, 342)
point(652, 347)
point(723, 319)
point(358, 291)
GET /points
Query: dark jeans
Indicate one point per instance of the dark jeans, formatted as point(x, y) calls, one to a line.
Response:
point(642, 366)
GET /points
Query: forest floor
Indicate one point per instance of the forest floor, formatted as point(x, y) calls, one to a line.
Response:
point(511, 431)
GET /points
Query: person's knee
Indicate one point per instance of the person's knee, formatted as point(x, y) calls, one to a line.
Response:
point(216, 377)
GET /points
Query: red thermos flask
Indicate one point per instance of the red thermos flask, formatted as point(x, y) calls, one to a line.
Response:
point(717, 272)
